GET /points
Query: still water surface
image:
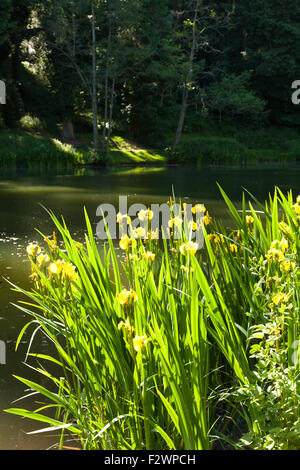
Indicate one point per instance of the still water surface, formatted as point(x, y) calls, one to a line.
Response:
point(66, 193)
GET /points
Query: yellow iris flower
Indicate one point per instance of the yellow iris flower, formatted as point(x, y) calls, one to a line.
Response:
point(139, 342)
point(127, 297)
point(207, 219)
point(148, 256)
point(233, 248)
point(134, 257)
point(66, 270)
point(33, 249)
point(56, 267)
point(193, 225)
point(286, 266)
point(189, 247)
point(139, 232)
point(121, 217)
point(175, 221)
point(145, 214)
point(284, 244)
point(285, 228)
point(274, 255)
point(279, 298)
point(125, 242)
point(126, 325)
point(296, 208)
point(153, 234)
point(198, 208)
point(42, 259)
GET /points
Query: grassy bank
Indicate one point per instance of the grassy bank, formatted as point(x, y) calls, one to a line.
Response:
point(123, 151)
point(25, 149)
point(19, 148)
point(217, 145)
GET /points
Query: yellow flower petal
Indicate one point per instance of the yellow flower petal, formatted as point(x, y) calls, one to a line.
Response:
point(33, 249)
point(190, 247)
point(139, 342)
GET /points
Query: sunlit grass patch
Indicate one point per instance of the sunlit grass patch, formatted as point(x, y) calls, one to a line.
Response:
point(116, 157)
point(124, 151)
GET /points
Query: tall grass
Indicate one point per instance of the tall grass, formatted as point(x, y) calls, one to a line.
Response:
point(172, 348)
point(238, 146)
point(23, 149)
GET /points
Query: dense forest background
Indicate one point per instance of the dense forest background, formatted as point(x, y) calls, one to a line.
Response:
point(153, 71)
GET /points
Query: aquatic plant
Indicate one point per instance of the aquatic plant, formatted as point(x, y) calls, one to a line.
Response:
point(174, 347)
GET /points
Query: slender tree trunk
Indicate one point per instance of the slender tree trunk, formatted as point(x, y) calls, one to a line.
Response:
point(185, 93)
point(181, 118)
point(112, 95)
point(108, 58)
point(94, 83)
point(104, 130)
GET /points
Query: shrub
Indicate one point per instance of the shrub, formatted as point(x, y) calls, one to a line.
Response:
point(292, 148)
point(232, 96)
point(210, 149)
point(269, 155)
point(31, 123)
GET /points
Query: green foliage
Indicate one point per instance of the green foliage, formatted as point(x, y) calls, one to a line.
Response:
point(5, 14)
point(265, 40)
point(143, 50)
point(292, 148)
point(210, 150)
point(233, 97)
point(274, 337)
point(31, 123)
point(227, 143)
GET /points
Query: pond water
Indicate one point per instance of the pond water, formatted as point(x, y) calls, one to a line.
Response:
point(66, 193)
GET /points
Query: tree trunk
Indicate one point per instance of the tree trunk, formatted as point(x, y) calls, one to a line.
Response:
point(185, 93)
point(103, 143)
point(108, 57)
point(68, 131)
point(181, 119)
point(112, 95)
point(94, 83)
